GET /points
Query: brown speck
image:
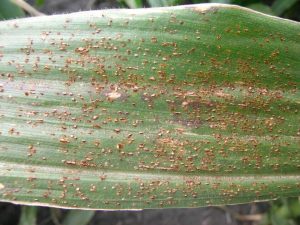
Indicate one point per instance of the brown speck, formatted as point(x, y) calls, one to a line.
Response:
point(154, 40)
point(117, 130)
point(31, 150)
point(102, 177)
point(64, 140)
point(120, 146)
point(82, 50)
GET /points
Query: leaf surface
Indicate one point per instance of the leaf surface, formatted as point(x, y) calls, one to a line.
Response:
point(9, 10)
point(149, 108)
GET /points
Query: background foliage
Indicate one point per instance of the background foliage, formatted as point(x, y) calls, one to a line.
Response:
point(283, 8)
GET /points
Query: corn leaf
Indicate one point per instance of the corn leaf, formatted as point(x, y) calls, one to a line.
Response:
point(133, 3)
point(149, 108)
point(9, 10)
point(260, 7)
point(159, 3)
point(280, 6)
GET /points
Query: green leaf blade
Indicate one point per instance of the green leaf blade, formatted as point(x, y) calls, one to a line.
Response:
point(131, 109)
point(280, 6)
point(134, 3)
point(9, 10)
